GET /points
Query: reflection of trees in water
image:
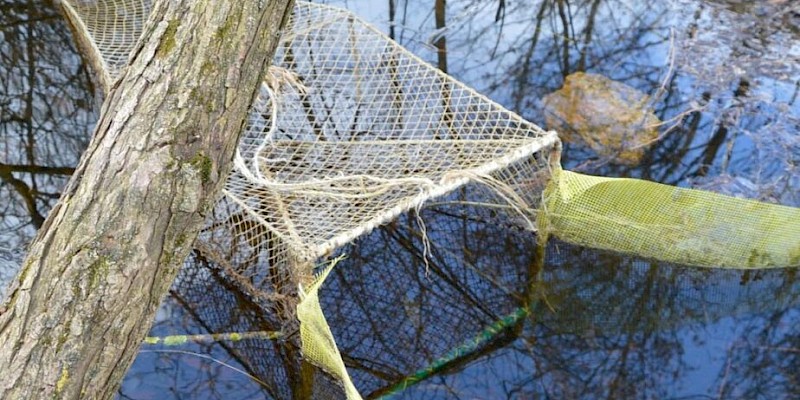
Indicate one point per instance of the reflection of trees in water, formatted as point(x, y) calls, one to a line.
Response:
point(742, 142)
point(617, 327)
point(760, 36)
point(622, 326)
point(208, 300)
point(763, 363)
point(393, 311)
point(46, 117)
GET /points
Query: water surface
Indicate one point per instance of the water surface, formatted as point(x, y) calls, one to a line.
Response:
point(724, 75)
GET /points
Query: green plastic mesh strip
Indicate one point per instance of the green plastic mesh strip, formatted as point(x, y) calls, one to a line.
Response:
point(667, 223)
point(304, 189)
point(319, 347)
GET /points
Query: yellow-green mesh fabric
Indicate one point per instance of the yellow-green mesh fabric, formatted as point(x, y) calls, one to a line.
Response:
point(319, 347)
point(672, 224)
point(296, 186)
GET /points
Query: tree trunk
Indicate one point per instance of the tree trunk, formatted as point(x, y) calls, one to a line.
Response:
point(109, 250)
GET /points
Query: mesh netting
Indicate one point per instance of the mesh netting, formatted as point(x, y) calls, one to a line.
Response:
point(684, 226)
point(350, 131)
point(114, 27)
point(219, 303)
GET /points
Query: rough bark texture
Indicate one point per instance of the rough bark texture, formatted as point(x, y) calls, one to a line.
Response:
point(106, 255)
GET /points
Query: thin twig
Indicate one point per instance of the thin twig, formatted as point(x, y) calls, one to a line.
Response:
point(207, 357)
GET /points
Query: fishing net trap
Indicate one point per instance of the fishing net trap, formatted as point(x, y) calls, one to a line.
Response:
point(351, 131)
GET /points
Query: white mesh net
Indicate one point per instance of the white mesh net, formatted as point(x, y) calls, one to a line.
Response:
point(114, 27)
point(349, 131)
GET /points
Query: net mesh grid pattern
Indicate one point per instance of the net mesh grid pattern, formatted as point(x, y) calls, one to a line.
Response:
point(350, 131)
point(114, 27)
point(359, 130)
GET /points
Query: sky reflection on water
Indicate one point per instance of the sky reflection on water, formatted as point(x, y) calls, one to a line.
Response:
point(611, 326)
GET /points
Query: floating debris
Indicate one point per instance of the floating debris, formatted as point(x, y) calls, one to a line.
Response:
point(612, 118)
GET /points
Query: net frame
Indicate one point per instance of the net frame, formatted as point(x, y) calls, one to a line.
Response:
point(259, 178)
point(514, 139)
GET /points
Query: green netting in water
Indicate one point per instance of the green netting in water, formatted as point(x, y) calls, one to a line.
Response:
point(672, 224)
point(404, 134)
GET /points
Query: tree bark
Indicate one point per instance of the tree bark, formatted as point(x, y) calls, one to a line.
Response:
point(103, 260)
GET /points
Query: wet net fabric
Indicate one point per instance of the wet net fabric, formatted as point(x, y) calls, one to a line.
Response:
point(667, 223)
point(350, 131)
